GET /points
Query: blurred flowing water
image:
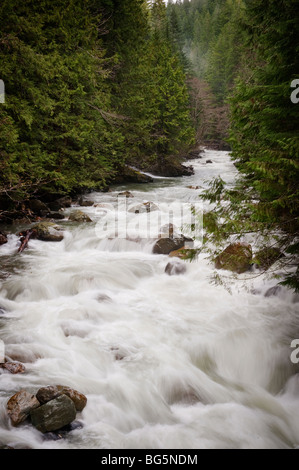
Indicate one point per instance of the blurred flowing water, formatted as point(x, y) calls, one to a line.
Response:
point(166, 362)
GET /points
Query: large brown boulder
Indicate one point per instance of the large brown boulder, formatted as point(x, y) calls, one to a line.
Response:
point(20, 405)
point(164, 246)
point(237, 258)
point(54, 414)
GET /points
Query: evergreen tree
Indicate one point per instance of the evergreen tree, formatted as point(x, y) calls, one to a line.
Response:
point(264, 133)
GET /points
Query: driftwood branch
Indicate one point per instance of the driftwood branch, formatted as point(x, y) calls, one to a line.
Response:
point(24, 239)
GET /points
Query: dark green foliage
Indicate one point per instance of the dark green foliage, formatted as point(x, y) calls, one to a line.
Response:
point(85, 93)
point(264, 133)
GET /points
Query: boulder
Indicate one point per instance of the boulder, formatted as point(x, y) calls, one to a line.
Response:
point(13, 367)
point(85, 203)
point(38, 207)
point(48, 231)
point(164, 246)
point(63, 202)
point(144, 207)
point(237, 258)
point(267, 256)
point(209, 161)
point(3, 238)
point(174, 268)
point(46, 394)
point(273, 291)
point(125, 194)
point(184, 253)
point(171, 168)
point(79, 216)
point(130, 175)
point(54, 414)
point(20, 405)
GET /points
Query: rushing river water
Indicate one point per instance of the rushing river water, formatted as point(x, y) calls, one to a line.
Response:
point(166, 362)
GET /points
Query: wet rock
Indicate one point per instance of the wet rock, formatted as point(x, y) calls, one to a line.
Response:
point(54, 414)
point(48, 231)
point(209, 161)
point(64, 202)
point(174, 268)
point(144, 207)
point(3, 238)
point(184, 253)
point(129, 175)
point(125, 194)
point(77, 398)
point(13, 367)
point(20, 405)
point(194, 154)
point(237, 258)
point(273, 291)
point(38, 207)
point(172, 168)
point(164, 246)
point(79, 216)
point(46, 394)
point(85, 203)
point(266, 257)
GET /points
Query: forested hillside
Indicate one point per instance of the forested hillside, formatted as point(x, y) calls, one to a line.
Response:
point(246, 53)
point(90, 86)
point(210, 34)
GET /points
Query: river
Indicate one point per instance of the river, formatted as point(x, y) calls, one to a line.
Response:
point(166, 362)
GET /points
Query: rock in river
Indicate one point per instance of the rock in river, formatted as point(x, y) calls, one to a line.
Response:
point(48, 231)
point(3, 238)
point(237, 258)
point(46, 394)
point(54, 414)
point(20, 405)
point(13, 367)
point(164, 246)
point(175, 267)
point(79, 216)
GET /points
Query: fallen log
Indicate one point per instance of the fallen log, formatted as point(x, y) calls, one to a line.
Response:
point(24, 239)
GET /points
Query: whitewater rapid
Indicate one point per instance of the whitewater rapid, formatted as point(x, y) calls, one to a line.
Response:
point(166, 362)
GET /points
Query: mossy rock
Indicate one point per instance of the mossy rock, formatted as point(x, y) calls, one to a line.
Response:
point(237, 258)
point(48, 231)
point(79, 216)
